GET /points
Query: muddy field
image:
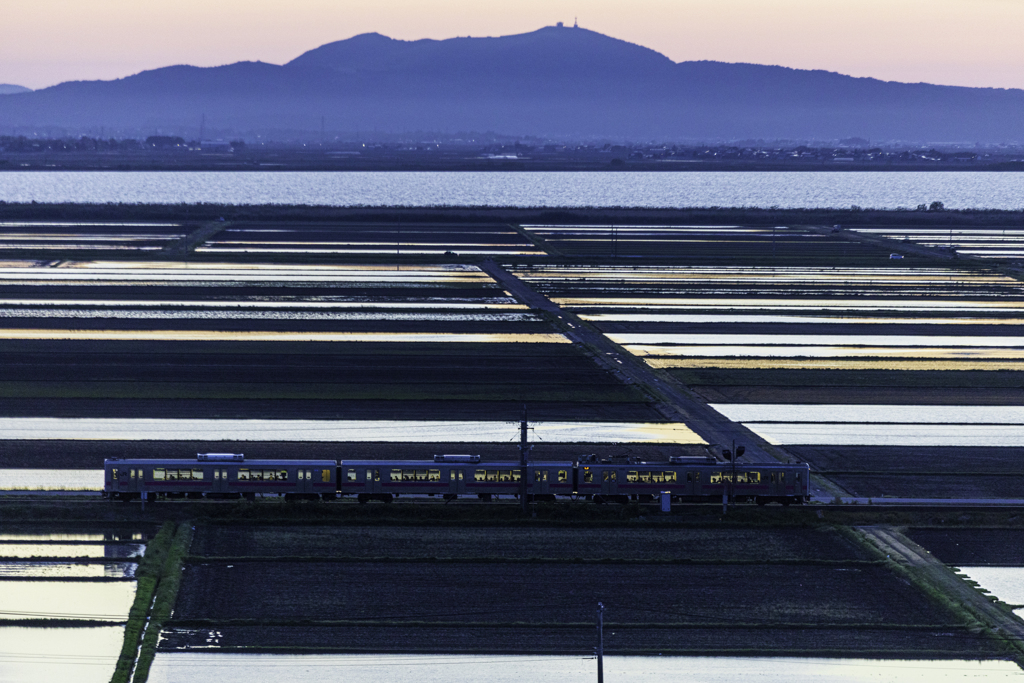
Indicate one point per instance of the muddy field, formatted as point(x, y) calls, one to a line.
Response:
point(734, 544)
point(921, 472)
point(522, 590)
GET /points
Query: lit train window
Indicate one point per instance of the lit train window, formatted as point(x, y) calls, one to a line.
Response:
point(610, 475)
point(432, 475)
point(563, 476)
point(325, 475)
point(588, 476)
point(396, 475)
point(352, 475)
point(540, 475)
point(114, 472)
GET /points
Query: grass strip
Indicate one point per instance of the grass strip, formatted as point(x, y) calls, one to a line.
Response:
point(147, 578)
point(166, 596)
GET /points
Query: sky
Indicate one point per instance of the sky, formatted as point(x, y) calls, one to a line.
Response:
point(950, 42)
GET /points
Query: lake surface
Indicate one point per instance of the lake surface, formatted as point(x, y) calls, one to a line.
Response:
point(957, 190)
point(174, 667)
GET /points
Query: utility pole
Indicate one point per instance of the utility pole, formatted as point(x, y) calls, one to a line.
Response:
point(524, 451)
point(600, 642)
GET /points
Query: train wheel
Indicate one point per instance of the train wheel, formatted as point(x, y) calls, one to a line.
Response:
point(388, 498)
point(362, 498)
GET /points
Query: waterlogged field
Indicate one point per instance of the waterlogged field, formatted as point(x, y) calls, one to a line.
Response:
point(839, 364)
point(991, 243)
point(19, 237)
point(487, 239)
point(242, 668)
point(65, 596)
point(183, 340)
point(696, 243)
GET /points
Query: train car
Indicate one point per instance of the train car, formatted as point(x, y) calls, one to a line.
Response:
point(451, 477)
point(219, 475)
point(700, 481)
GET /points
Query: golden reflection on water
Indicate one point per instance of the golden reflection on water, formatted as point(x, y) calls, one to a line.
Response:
point(828, 364)
point(779, 303)
point(713, 318)
point(105, 601)
point(827, 352)
point(252, 336)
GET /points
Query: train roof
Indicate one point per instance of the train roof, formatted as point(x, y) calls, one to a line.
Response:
point(185, 463)
point(431, 464)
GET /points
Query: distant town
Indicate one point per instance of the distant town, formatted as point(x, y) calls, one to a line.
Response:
point(24, 152)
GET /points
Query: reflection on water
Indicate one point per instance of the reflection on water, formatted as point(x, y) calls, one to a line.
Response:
point(285, 336)
point(65, 570)
point(761, 303)
point(824, 352)
point(103, 601)
point(81, 655)
point(70, 537)
point(221, 314)
point(112, 550)
point(699, 319)
point(50, 480)
point(1006, 583)
point(837, 364)
point(761, 412)
point(181, 667)
point(404, 431)
point(320, 303)
point(845, 434)
point(817, 340)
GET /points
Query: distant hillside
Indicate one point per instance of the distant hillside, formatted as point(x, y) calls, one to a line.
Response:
point(557, 82)
point(10, 89)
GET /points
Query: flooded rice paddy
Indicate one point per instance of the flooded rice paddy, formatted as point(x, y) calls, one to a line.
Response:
point(82, 655)
point(50, 480)
point(85, 550)
point(1005, 583)
point(177, 667)
point(103, 237)
point(411, 431)
point(96, 601)
point(993, 243)
point(284, 336)
point(66, 570)
point(835, 413)
point(372, 238)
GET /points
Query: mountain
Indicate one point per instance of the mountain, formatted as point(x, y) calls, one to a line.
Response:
point(557, 82)
point(10, 89)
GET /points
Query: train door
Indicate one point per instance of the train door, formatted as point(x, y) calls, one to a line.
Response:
point(220, 480)
point(304, 484)
point(610, 481)
point(456, 481)
point(539, 485)
point(121, 478)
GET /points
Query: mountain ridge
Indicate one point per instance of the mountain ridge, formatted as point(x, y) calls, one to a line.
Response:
point(553, 82)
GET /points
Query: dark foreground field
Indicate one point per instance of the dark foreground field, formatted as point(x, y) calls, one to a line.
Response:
point(521, 590)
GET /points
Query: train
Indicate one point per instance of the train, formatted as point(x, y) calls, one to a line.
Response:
point(230, 475)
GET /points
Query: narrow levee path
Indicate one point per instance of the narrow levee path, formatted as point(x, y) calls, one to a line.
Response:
point(674, 401)
point(940, 579)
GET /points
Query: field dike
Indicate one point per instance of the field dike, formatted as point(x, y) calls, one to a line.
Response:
point(979, 612)
point(158, 579)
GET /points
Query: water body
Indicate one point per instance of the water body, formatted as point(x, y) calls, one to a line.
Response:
point(817, 340)
point(1006, 583)
point(957, 190)
point(103, 601)
point(754, 412)
point(82, 655)
point(64, 570)
point(52, 480)
point(405, 431)
point(175, 667)
point(857, 434)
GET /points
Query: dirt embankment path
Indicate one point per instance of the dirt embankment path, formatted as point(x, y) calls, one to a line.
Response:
point(935, 575)
point(674, 401)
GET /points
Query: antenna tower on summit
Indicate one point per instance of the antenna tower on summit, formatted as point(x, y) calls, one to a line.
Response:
point(575, 22)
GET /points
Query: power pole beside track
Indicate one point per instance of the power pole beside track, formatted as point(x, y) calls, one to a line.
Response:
point(524, 451)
